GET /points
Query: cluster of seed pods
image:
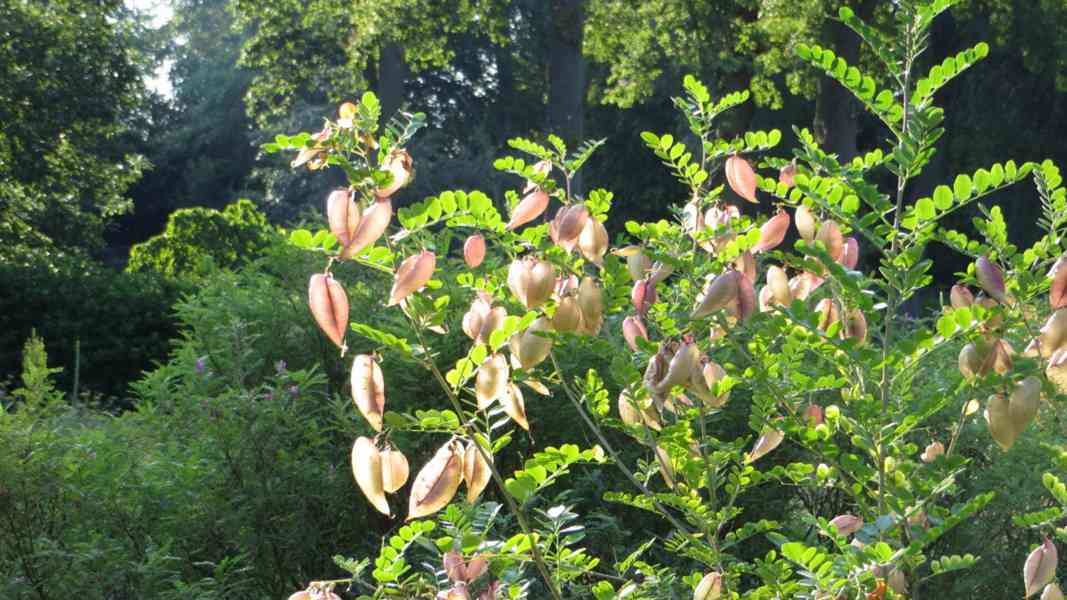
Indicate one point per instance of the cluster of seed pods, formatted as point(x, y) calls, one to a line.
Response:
point(1010, 412)
point(463, 574)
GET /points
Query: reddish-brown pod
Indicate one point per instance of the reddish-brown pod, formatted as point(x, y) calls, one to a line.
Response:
point(342, 214)
point(532, 205)
point(371, 227)
point(329, 306)
point(787, 174)
point(830, 235)
point(720, 292)
point(746, 297)
point(568, 225)
point(850, 256)
point(412, 275)
point(474, 250)
point(772, 233)
point(643, 295)
point(741, 177)
point(633, 328)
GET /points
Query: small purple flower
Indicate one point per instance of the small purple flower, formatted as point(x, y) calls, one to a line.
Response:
point(280, 366)
point(201, 364)
point(294, 390)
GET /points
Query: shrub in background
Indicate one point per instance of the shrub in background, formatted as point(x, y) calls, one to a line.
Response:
point(227, 238)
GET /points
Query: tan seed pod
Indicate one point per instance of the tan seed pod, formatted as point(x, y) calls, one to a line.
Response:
point(474, 251)
point(1052, 592)
point(371, 227)
point(970, 362)
point(398, 163)
point(329, 305)
point(764, 299)
point(1053, 332)
point(660, 271)
point(491, 380)
point(932, 451)
point(638, 265)
point(591, 303)
point(569, 221)
point(633, 412)
point(1024, 403)
point(960, 296)
point(998, 417)
point(342, 213)
point(455, 566)
point(856, 326)
point(709, 587)
point(437, 482)
point(395, 470)
point(529, 349)
point(531, 206)
point(772, 233)
point(532, 281)
point(787, 174)
point(515, 405)
point(801, 286)
point(568, 315)
point(1040, 567)
point(476, 473)
point(768, 440)
point(829, 313)
point(713, 373)
point(681, 368)
point(741, 178)
point(1056, 371)
point(719, 293)
point(314, 595)
point(412, 275)
point(805, 222)
point(593, 241)
point(778, 284)
point(692, 218)
point(990, 279)
point(746, 297)
point(368, 389)
point(846, 524)
point(367, 469)
point(830, 236)
point(897, 581)
point(633, 328)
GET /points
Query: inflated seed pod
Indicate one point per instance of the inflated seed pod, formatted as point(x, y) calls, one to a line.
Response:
point(491, 380)
point(371, 227)
point(593, 241)
point(772, 233)
point(329, 305)
point(398, 163)
point(720, 292)
point(367, 469)
point(515, 406)
point(474, 250)
point(768, 440)
point(529, 349)
point(368, 389)
point(412, 275)
point(343, 215)
point(741, 178)
point(531, 206)
point(1040, 567)
point(476, 473)
point(990, 278)
point(806, 223)
point(847, 524)
point(437, 482)
point(632, 328)
point(395, 470)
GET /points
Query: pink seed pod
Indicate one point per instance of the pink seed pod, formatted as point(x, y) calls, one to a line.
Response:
point(932, 451)
point(846, 524)
point(643, 295)
point(814, 415)
point(742, 178)
point(591, 302)
point(329, 305)
point(437, 482)
point(532, 205)
point(787, 174)
point(542, 168)
point(746, 298)
point(398, 163)
point(856, 326)
point(772, 233)
point(632, 328)
point(371, 227)
point(998, 417)
point(1040, 567)
point(830, 235)
point(990, 279)
point(746, 263)
point(368, 389)
point(1057, 293)
point(960, 296)
point(412, 275)
point(569, 222)
point(474, 250)
point(482, 319)
point(568, 315)
point(850, 256)
point(343, 216)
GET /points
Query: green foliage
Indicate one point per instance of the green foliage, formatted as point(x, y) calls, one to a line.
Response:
point(122, 321)
point(227, 238)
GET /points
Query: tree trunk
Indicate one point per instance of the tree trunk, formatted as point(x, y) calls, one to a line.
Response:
point(566, 75)
point(836, 114)
point(392, 73)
